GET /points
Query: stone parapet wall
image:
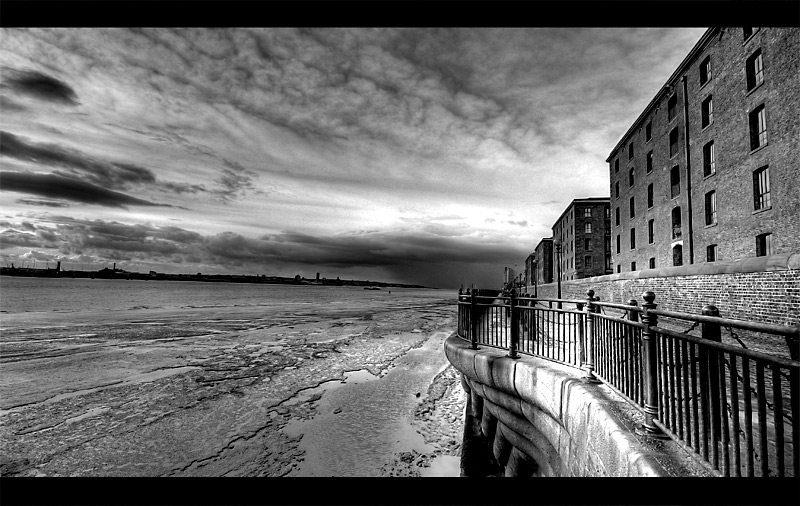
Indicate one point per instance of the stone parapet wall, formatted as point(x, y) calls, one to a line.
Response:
point(760, 289)
point(534, 417)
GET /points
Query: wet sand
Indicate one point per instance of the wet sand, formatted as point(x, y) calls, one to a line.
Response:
point(189, 392)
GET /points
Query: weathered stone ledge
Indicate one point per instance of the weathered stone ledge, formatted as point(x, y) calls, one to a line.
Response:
point(555, 424)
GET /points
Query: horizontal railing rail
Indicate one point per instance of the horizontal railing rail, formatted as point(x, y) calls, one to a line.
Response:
point(736, 410)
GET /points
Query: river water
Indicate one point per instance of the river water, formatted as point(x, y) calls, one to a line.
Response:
point(157, 378)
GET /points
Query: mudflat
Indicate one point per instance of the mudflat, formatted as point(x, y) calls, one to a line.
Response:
point(321, 391)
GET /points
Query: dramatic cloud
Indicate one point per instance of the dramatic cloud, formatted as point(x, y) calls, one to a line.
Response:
point(38, 85)
point(392, 152)
point(111, 175)
point(393, 255)
point(38, 202)
point(59, 187)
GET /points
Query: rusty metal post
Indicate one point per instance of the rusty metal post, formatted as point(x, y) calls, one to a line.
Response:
point(588, 365)
point(473, 321)
point(650, 367)
point(514, 344)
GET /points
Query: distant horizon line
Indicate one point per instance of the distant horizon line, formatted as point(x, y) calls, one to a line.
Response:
point(111, 273)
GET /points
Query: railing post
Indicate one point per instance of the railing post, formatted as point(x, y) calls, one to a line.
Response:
point(650, 367)
point(473, 321)
point(633, 315)
point(709, 374)
point(579, 342)
point(589, 362)
point(512, 346)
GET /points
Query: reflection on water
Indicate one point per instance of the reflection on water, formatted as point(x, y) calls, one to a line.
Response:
point(359, 426)
point(443, 466)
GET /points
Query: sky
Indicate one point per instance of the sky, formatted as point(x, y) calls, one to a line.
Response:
point(425, 156)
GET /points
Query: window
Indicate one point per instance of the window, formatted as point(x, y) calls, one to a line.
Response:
point(761, 194)
point(650, 196)
point(705, 71)
point(711, 208)
point(616, 189)
point(652, 262)
point(618, 268)
point(673, 142)
point(618, 244)
point(672, 106)
point(709, 164)
point(651, 231)
point(675, 181)
point(649, 162)
point(633, 238)
point(748, 32)
point(616, 165)
point(633, 266)
point(632, 207)
point(587, 228)
point(630, 176)
point(676, 223)
point(587, 262)
point(587, 245)
point(707, 112)
point(763, 245)
point(616, 216)
point(711, 253)
point(754, 68)
point(648, 131)
point(677, 255)
point(587, 212)
point(630, 151)
point(758, 127)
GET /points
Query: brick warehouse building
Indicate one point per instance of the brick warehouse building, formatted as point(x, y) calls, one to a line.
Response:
point(709, 169)
point(539, 264)
point(584, 234)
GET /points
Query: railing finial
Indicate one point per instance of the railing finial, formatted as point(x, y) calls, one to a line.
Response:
point(649, 297)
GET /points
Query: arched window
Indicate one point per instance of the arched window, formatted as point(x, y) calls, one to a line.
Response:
point(677, 255)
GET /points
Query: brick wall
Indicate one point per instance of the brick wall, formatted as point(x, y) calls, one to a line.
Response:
point(761, 289)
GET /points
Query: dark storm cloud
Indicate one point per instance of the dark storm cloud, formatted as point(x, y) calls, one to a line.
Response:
point(12, 238)
point(113, 175)
point(180, 188)
point(7, 105)
point(54, 186)
point(110, 175)
point(403, 255)
point(234, 181)
point(416, 257)
point(45, 203)
point(106, 239)
point(38, 85)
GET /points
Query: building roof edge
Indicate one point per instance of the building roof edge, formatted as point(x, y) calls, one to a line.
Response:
point(690, 57)
point(599, 200)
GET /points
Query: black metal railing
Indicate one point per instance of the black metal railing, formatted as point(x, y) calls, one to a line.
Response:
point(733, 408)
